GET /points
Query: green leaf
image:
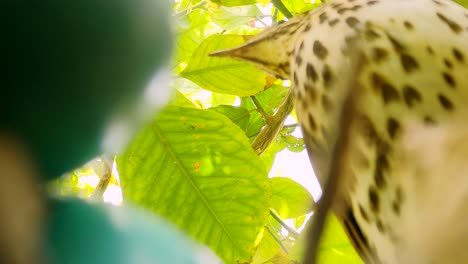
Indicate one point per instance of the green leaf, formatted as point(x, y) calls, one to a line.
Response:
point(289, 198)
point(293, 143)
point(223, 75)
point(463, 3)
point(269, 155)
point(234, 17)
point(196, 168)
point(190, 31)
point(238, 115)
point(178, 99)
point(234, 2)
point(267, 249)
point(335, 247)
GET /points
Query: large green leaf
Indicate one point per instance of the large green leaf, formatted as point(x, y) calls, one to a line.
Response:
point(197, 169)
point(289, 198)
point(335, 247)
point(234, 2)
point(223, 75)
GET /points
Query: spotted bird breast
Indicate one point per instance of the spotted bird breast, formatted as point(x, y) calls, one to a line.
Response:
point(408, 60)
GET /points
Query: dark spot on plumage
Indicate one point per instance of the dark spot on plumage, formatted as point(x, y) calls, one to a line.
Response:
point(352, 21)
point(374, 201)
point(333, 22)
point(411, 95)
point(445, 102)
point(430, 50)
point(388, 92)
point(355, 232)
point(372, 2)
point(336, 5)
point(323, 17)
point(311, 92)
point(326, 104)
point(295, 79)
point(356, 8)
point(448, 64)
point(393, 126)
point(370, 34)
point(397, 46)
point(349, 40)
point(319, 50)
point(380, 226)
point(368, 129)
point(449, 79)
point(408, 25)
point(396, 207)
point(327, 76)
point(380, 167)
point(450, 23)
point(458, 55)
point(363, 214)
point(408, 62)
point(342, 10)
point(301, 46)
point(284, 66)
point(429, 121)
point(311, 73)
point(305, 103)
point(437, 2)
point(312, 123)
point(298, 60)
point(379, 54)
point(399, 198)
point(307, 28)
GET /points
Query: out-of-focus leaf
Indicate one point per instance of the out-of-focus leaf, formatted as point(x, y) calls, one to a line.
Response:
point(269, 155)
point(197, 169)
point(267, 249)
point(223, 75)
point(289, 198)
point(463, 3)
point(222, 99)
point(190, 33)
point(299, 221)
point(335, 247)
point(234, 17)
point(234, 2)
point(293, 143)
point(178, 99)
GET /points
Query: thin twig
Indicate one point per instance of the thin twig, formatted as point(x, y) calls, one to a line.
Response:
point(104, 180)
point(278, 219)
point(260, 109)
point(280, 243)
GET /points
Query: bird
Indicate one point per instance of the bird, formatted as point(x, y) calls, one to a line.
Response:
point(381, 92)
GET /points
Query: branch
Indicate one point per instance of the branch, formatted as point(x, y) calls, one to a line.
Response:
point(275, 124)
point(104, 179)
point(282, 8)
